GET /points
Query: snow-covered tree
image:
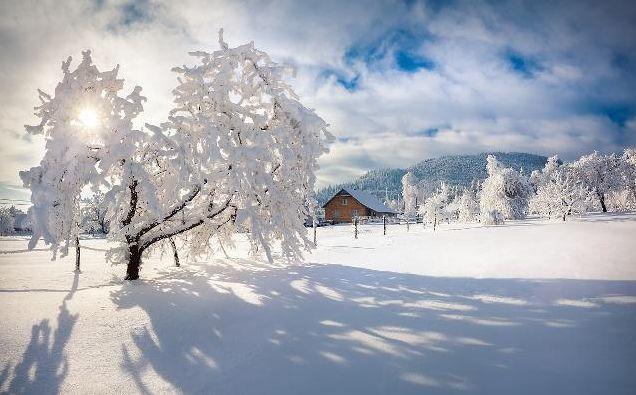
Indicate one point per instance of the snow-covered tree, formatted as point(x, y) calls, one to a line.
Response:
point(504, 194)
point(538, 178)
point(468, 206)
point(559, 191)
point(434, 209)
point(94, 214)
point(599, 173)
point(620, 201)
point(628, 175)
point(409, 194)
point(238, 153)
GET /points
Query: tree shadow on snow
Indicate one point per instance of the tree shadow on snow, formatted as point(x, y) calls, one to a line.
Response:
point(241, 327)
point(44, 364)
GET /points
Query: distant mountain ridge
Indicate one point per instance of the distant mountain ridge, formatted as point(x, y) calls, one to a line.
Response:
point(452, 169)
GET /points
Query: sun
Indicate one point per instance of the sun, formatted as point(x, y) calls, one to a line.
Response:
point(88, 118)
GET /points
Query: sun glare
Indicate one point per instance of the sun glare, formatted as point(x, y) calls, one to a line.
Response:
point(88, 118)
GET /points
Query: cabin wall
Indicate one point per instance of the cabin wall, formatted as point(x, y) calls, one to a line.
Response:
point(337, 211)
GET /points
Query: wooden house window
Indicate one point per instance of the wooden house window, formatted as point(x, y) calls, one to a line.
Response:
point(354, 213)
point(344, 201)
point(336, 213)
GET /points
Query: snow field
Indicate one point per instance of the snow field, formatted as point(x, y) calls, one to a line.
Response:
point(528, 307)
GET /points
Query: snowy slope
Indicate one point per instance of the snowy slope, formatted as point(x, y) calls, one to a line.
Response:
point(416, 312)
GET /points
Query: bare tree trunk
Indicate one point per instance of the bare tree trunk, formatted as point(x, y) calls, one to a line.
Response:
point(77, 254)
point(134, 252)
point(384, 224)
point(434, 222)
point(314, 225)
point(104, 226)
point(174, 251)
point(134, 262)
point(601, 198)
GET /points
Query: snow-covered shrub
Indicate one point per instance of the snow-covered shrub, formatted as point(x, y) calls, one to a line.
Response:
point(238, 153)
point(492, 217)
point(505, 191)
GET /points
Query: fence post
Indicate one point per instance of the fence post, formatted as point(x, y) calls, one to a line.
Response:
point(384, 224)
point(355, 227)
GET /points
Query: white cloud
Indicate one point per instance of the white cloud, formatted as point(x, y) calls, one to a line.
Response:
point(583, 64)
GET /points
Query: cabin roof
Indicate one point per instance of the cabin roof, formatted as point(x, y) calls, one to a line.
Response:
point(366, 199)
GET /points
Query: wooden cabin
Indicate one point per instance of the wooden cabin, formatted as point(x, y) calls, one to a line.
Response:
point(350, 203)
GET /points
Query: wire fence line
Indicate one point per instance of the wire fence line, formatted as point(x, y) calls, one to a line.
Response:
point(22, 251)
point(6, 252)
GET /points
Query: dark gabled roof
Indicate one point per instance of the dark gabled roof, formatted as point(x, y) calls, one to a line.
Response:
point(366, 199)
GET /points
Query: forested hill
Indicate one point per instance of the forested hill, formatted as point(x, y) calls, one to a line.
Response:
point(453, 169)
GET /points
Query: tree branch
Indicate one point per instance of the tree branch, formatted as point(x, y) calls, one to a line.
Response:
point(133, 203)
point(187, 227)
point(172, 212)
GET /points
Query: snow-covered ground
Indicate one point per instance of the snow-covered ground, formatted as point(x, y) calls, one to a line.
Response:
point(529, 307)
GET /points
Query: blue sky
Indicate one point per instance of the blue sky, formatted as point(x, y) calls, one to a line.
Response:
point(398, 81)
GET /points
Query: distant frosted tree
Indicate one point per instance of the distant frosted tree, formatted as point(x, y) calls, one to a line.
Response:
point(435, 209)
point(504, 194)
point(599, 173)
point(628, 175)
point(620, 201)
point(393, 204)
point(6, 221)
point(426, 188)
point(468, 206)
point(540, 177)
point(95, 214)
point(409, 194)
point(559, 191)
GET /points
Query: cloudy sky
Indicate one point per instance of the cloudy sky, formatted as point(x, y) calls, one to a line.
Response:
point(398, 81)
